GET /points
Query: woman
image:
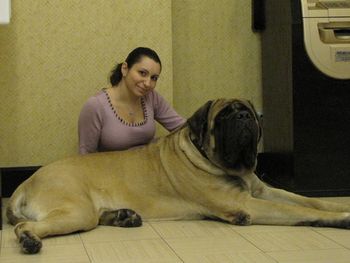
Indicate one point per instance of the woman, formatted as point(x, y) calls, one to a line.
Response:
point(123, 115)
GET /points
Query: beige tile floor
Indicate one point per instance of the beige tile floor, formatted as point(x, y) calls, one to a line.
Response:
point(189, 241)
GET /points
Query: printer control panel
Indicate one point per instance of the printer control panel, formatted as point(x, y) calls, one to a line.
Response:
point(333, 4)
point(319, 8)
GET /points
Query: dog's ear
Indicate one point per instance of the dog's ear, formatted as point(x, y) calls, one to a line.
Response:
point(198, 123)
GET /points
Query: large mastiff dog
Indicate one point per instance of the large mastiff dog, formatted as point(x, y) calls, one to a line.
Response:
point(204, 169)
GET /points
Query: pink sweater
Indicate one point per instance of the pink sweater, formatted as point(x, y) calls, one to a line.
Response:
point(101, 129)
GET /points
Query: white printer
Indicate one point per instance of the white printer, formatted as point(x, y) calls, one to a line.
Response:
point(327, 35)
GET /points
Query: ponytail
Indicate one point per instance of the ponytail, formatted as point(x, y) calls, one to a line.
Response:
point(116, 75)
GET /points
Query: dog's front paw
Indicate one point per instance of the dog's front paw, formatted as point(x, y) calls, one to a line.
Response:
point(239, 218)
point(121, 218)
point(339, 223)
point(345, 223)
point(30, 243)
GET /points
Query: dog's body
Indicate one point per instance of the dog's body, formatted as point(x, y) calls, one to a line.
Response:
point(205, 169)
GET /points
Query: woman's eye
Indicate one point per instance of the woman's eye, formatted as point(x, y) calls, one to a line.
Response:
point(143, 73)
point(154, 78)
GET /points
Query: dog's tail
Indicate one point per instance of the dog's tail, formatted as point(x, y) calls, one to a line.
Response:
point(14, 208)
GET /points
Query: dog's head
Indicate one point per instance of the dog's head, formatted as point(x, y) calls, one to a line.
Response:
point(227, 132)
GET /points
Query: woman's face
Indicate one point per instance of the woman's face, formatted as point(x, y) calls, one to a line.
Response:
point(142, 77)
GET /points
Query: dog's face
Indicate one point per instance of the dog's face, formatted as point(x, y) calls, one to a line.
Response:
point(227, 133)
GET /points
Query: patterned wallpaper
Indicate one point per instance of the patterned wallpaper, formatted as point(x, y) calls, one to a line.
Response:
point(56, 54)
point(215, 53)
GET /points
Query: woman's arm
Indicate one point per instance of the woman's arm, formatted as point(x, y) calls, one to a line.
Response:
point(90, 126)
point(165, 114)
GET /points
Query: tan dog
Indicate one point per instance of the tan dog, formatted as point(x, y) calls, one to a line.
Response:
point(205, 169)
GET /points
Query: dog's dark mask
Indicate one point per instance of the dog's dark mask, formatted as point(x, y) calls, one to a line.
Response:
point(235, 131)
point(236, 135)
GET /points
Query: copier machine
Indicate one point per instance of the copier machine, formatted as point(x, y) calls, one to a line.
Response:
point(306, 96)
point(327, 36)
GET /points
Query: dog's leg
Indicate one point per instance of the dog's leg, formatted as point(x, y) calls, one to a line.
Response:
point(121, 218)
point(287, 197)
point(262, 191)
point(57, 222)
point(274, 213)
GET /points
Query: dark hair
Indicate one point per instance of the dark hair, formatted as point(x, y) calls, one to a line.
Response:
point(134, 57)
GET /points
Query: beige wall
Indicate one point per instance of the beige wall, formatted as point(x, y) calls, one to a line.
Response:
point(215, 53)
point(55, 54)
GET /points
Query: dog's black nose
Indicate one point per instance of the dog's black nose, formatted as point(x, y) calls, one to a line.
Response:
point(243, 115)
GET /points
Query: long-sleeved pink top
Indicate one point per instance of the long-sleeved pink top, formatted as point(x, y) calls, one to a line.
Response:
point(101, 129)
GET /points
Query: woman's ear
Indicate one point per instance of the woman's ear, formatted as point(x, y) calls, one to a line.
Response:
point(124, 69)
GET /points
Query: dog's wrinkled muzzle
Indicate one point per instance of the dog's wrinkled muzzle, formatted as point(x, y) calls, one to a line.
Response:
point(237, 136)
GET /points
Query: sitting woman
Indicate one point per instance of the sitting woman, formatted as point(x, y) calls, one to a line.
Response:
point(123, 115)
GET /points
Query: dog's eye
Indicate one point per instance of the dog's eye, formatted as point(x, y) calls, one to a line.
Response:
point(228, 111)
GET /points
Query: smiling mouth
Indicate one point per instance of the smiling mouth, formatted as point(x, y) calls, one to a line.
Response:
point(141, 89)
point(144, 90)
